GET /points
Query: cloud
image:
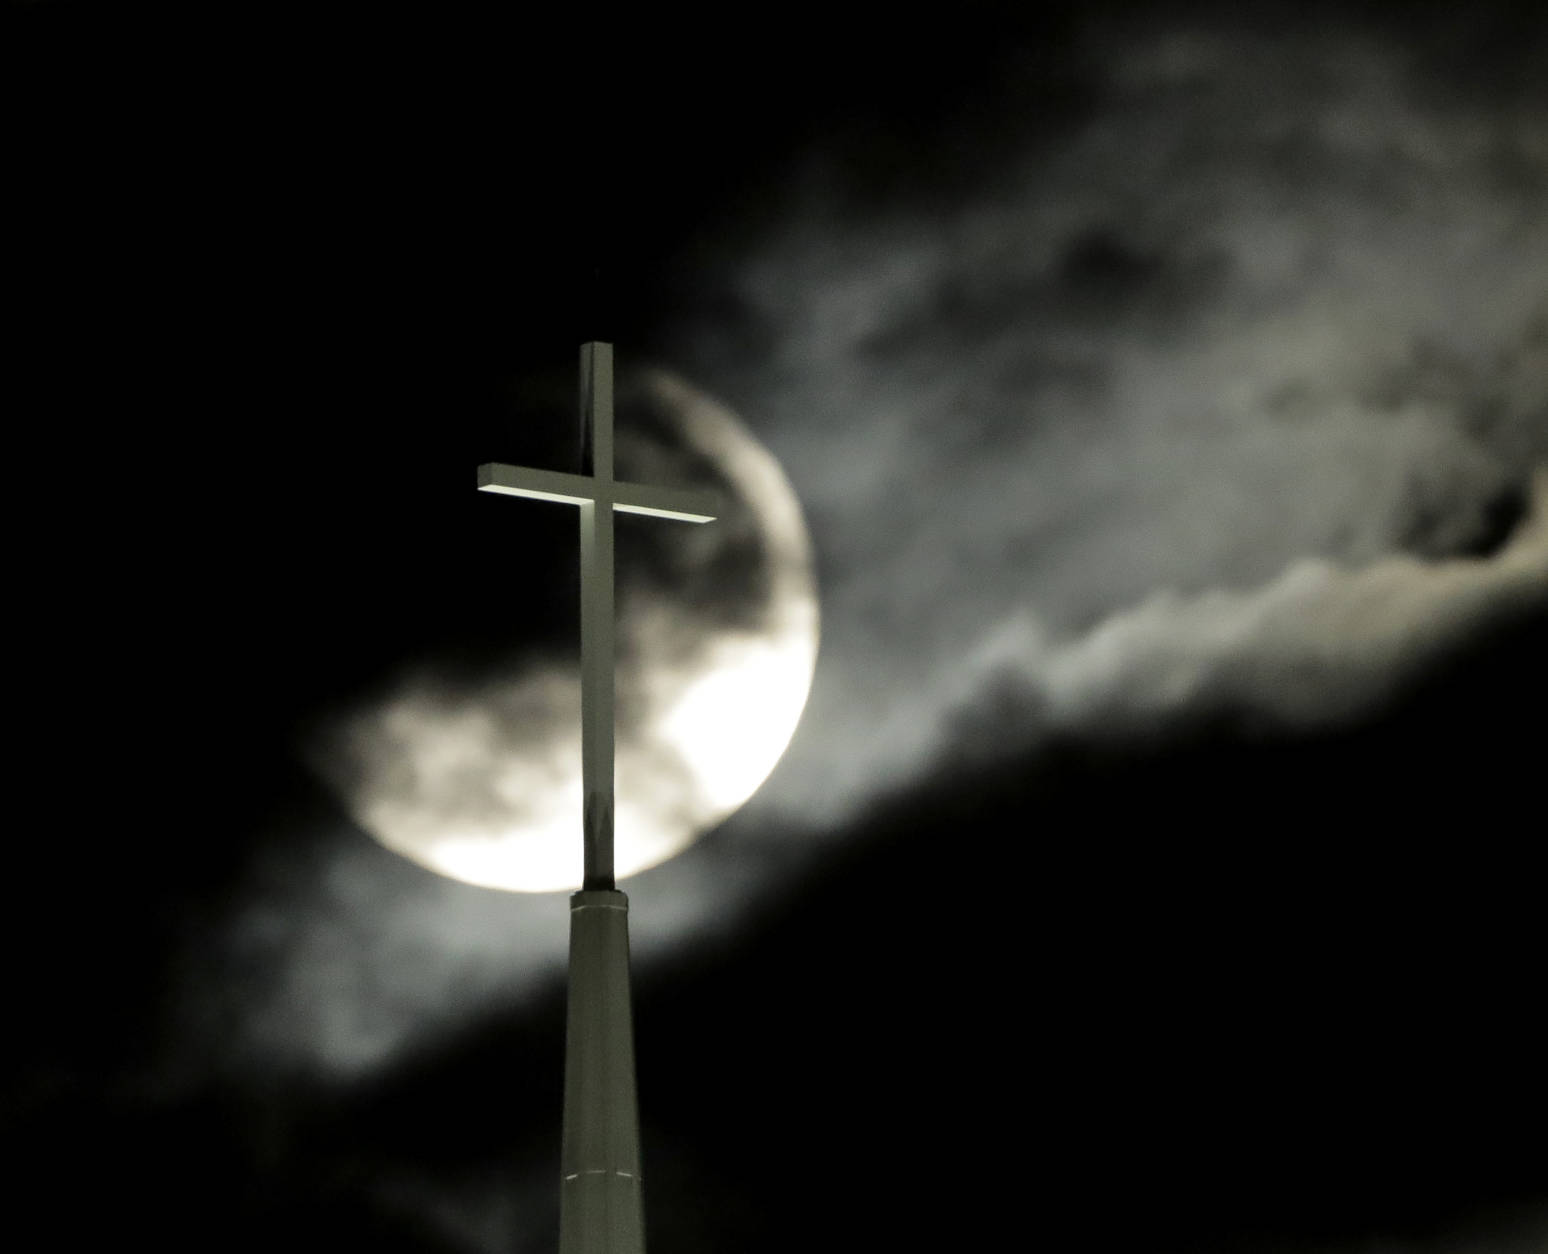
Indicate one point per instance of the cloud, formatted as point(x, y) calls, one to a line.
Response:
point(1254, 342)
point(1213, 392)
point(1316, 646)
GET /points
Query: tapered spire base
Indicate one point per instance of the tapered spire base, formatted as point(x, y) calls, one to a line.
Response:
point(600, 1206)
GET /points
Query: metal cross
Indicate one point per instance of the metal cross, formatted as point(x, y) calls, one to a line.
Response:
point(598, 494)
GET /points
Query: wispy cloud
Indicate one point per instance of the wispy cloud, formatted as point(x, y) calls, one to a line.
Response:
point(1248, 357)
point(1217, 392)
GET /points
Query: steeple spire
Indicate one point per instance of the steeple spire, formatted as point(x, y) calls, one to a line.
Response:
point(600, 1210)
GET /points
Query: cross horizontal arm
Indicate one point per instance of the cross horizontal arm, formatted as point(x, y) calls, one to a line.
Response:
point(683, 504)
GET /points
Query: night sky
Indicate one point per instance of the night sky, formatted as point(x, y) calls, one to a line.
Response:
point(1156, 866)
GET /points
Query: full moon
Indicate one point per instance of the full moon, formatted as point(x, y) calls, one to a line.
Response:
point(479, 778)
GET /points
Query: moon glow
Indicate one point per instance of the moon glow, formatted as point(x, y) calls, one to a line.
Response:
point(717, 640)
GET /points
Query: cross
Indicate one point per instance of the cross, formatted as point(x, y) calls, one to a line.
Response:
point(598, 494)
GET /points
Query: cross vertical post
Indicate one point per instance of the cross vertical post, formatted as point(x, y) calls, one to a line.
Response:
point(596, 530)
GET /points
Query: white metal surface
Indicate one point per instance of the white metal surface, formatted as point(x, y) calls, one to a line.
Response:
point(683, 504)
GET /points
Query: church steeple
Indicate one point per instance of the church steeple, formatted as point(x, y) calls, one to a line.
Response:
point(601, 1210)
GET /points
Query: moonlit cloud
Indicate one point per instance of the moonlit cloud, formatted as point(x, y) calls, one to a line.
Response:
point(1319, 644)
point(1250, 354)
point(1214, 395)
point(1149, 405)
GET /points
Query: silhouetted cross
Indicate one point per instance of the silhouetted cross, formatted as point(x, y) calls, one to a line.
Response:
point(598, 494)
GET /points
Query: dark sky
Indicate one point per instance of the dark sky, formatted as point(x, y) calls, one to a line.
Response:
point(1156, 866)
